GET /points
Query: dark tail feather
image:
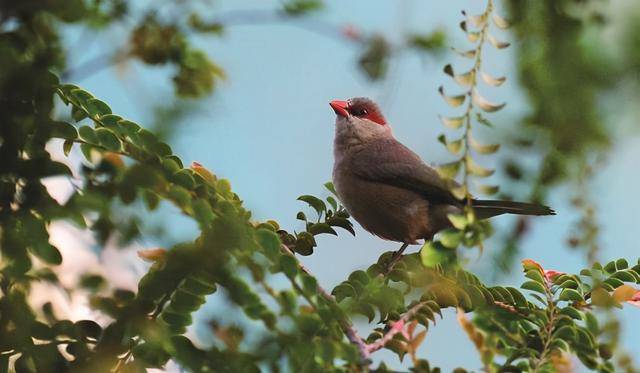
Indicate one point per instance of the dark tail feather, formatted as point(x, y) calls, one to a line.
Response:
point(487, 208)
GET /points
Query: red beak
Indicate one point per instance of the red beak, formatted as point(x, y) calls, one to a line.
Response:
point(340, 107)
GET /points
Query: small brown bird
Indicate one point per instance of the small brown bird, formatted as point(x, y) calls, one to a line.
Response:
point(388, 189)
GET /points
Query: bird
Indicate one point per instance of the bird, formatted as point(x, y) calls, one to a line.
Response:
point(388, 189)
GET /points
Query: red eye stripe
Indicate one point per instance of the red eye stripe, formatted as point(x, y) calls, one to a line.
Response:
point(367, 112)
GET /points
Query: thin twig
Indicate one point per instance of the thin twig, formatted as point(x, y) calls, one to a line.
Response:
point(548, 330)
point(345, 325)
point(397, 256)
point(396, 328)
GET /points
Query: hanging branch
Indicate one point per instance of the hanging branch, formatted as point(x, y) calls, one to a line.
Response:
point(477, 30)
point(468, 230)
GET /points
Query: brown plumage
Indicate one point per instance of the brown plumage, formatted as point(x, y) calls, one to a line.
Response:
point(387, 188)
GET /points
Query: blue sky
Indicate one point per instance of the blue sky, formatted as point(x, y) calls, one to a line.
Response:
point(268, 129)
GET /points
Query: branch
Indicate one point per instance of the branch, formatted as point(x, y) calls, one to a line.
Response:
point(345, 325)
point(396, 328)
point(397, 256)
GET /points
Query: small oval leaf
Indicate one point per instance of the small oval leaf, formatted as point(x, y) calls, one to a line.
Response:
point(449, 170)
point(452, 122)
point(497, 43)
point(453, 101)
point(490, 80)
point(500, 22)
point(485, 104)
point(482, 148)
point(475, 169)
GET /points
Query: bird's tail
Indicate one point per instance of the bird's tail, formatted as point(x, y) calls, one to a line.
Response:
point(488, 208)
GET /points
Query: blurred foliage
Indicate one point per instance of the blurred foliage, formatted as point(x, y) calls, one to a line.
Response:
point(566, 67)
point(297, 326)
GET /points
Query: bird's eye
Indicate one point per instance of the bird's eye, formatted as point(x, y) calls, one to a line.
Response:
point(360, 112)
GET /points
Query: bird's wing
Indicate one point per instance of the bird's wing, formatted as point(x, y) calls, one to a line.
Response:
point(389, 162)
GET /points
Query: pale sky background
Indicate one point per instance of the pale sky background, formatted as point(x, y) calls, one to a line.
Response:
point(269, 130)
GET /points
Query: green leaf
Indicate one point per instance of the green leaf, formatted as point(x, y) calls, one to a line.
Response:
point(89, 328)
point(66, 147)
point(359, 276)
point(177, 320)
point(81, 96)
point(96, 108)
point(343, 223)
point(572, 312)
point(63, 130)
point(309, 284)
point(330, 187)
point(183, 301)
point(344, 290)
point(108, 139)
point(203, 212)
point(626, 276)
point(535, 275)
point(314, 202)
point(88, 134)
point(289, 265)
point(610, 267)
point(622, 264)
point(129, 127)
point(518, 298)
point(200, 283)
point(464, 79)
point(332, 201)
point(87, 151)
point(459, 192)
point(432, 254)
point(453, 147)
point(450, 238)
point(459, 221)
point(269, 241)
point(151, 353)
point(571, 295)
point(533, 286)
point(151, 199)
point(110, 121)
point(366, 310)
point(47, 252)
point(305, 243)
point(566, 333)
point(184, 178)
point(300, 7)
point(449, 170)
point(614, 282)
point(319, 228)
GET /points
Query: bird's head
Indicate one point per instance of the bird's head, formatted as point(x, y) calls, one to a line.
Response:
point(359, 119)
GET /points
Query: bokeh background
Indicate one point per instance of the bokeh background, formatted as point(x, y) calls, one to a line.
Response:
point(267, 127)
